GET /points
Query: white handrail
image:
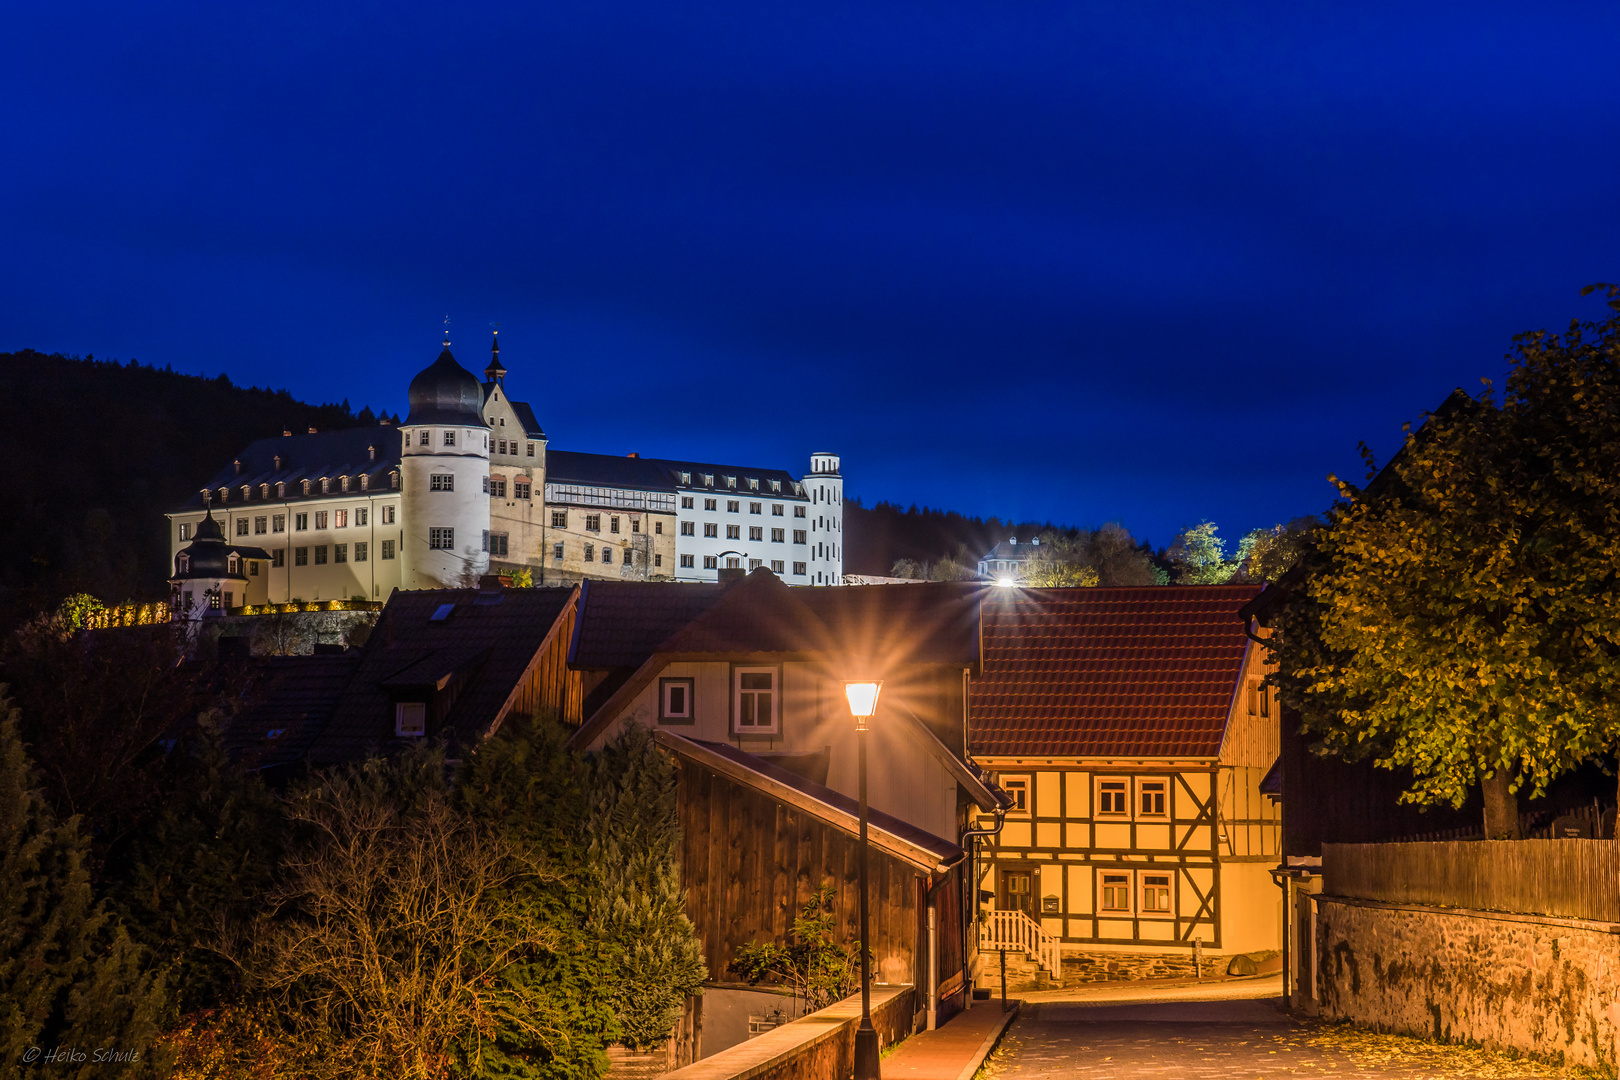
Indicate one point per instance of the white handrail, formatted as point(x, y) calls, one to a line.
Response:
point(1015, 930)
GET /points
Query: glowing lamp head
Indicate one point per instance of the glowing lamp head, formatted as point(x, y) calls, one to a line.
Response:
point(863, 698)
point(1005, 583)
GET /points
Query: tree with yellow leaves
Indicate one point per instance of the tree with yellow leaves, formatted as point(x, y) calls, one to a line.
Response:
point(1460, 615)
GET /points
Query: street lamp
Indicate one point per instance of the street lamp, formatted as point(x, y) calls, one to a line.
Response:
point(863, 699)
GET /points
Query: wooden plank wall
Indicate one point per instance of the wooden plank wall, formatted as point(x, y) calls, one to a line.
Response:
point(1570, 878)
point(749, 862)
point(549, 686)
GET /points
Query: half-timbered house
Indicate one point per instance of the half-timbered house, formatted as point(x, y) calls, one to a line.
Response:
point(1132, 730)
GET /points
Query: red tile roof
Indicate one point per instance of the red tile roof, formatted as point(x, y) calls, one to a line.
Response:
point(1144, 672)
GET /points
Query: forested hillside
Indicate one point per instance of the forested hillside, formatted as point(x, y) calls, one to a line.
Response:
point(100, 450)
point(876, 537)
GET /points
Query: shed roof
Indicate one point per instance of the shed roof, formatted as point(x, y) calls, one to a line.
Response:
point(1091, 672)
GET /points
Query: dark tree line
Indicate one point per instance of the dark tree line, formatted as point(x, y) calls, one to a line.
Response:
point(109, 448)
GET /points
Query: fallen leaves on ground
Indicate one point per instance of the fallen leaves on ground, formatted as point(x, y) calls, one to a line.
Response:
point(1420, 1059)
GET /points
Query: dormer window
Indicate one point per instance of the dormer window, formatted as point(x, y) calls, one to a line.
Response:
point(224, 494)
point(798, 488)
point(278, 462)
point(233, 565)
point(708, 479)
point(731, 482)
point(776, 485)
point(410, 719)
point(306, 487)
point(326, 486)
point(182, 563)
point(281, 489)
point(753, 483)
point(365, 481)
point(393, 478)
point(343, 483)
point(264, 491)
point(247, 492)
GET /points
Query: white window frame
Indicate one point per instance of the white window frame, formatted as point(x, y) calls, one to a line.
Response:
point(1143, 885)
point(1144, 787)
point(1013, 784)
point(1103, 885)
point(667, 714)
point(410, 719)
point(774, 725)
point(1124, 788)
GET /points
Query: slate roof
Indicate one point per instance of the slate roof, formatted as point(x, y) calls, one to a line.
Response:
point(476, 656)
point(604, 470)
point(672, 470)
point(1091, 672)
point(622, 623)
point(290, 699)
point(345, 452)
point(525, 416)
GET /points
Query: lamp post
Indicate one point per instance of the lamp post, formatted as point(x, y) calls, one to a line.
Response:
point(863, 698)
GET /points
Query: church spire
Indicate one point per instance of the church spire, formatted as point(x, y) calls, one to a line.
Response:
point(495, 373)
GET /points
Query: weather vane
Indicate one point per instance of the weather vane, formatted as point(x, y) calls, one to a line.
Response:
point(447, 331)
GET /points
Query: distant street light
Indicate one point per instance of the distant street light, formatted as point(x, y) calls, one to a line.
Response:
point(1006, 582)
point(863, 699)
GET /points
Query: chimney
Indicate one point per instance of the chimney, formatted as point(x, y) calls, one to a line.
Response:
point(633, 454)
point(312, 430)
point(286, 433)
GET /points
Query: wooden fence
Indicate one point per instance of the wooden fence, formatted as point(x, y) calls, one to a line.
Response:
point(1578, 879)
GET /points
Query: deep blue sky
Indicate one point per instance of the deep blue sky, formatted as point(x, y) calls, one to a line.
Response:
point(1152, 263)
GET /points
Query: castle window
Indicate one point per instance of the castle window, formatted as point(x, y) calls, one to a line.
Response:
point(799, 568)
point(278, 558)
point(708, 479)
point(261, 525)
point(442, 539)
point(326, 486)
point(422, 438)
point(300, 556)
point(686, 562)
point(497, 543)
point(755, 532)
point(393, 478)
point(241, 526)
point(559, 519)
point(798, 511)
point(388, 514)
point(711, 529)
point(340, 553)
point(361, 515)
point(440, 481)
point(449, 438)
point(343, 483)
point(185, 531)
point(658, 560)
point(264, 491)
point(365, 481)
point(497, 486)
point(776, 509)
point(613, 524)
point(710, 562)
point(658, 527)
point(590, 553)
point(776, 485)
point(247, 492)
point(635, 525)
point(340, 519)
point(799, 537)
point(686, 502)
point(253, 568)
point(753, 484)
point(755, 508)
point(593, 522)
point(711, 504)
point(521, 489)
point(306, 487)
point(387, 549)
point(530, 451)
point(607, 554)
point(281, 489)
point(777, 536)
point(320, 554)
point(486, 485)
point(483, 544)
point(320, 519)
point(224, 494)
point(360, 551)
point(687, 528)
point(556, 551)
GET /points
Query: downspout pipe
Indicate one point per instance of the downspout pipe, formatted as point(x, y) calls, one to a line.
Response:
point(972, 885)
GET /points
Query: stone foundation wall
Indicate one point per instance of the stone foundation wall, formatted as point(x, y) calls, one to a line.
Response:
point(282, 634)
point(1541, 985)
point(1025, 975)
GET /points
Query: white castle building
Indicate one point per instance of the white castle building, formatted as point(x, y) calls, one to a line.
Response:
point(465, 486)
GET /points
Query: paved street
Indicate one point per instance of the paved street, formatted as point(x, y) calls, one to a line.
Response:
point(1226, 1039)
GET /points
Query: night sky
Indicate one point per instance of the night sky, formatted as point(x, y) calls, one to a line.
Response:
point(1148, 263)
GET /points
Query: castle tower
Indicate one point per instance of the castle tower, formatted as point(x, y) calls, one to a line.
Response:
point(444, 477)
point(825, 486)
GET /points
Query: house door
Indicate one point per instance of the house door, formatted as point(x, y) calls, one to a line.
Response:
point(1016, 892)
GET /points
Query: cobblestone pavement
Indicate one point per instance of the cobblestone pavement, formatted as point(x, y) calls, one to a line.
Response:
point(1229, 1040)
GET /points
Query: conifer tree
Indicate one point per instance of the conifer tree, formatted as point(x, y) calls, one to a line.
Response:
point(69, 975)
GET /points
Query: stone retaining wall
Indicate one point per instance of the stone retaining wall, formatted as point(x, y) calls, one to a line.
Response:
point(1079, 968)
point(1538, 984)
point(820, 1046)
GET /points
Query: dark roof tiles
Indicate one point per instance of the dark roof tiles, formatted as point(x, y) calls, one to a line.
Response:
point(1089, 672)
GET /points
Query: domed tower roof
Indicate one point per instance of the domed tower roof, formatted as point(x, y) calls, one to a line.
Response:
point(207, 556)
point(444, 392)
